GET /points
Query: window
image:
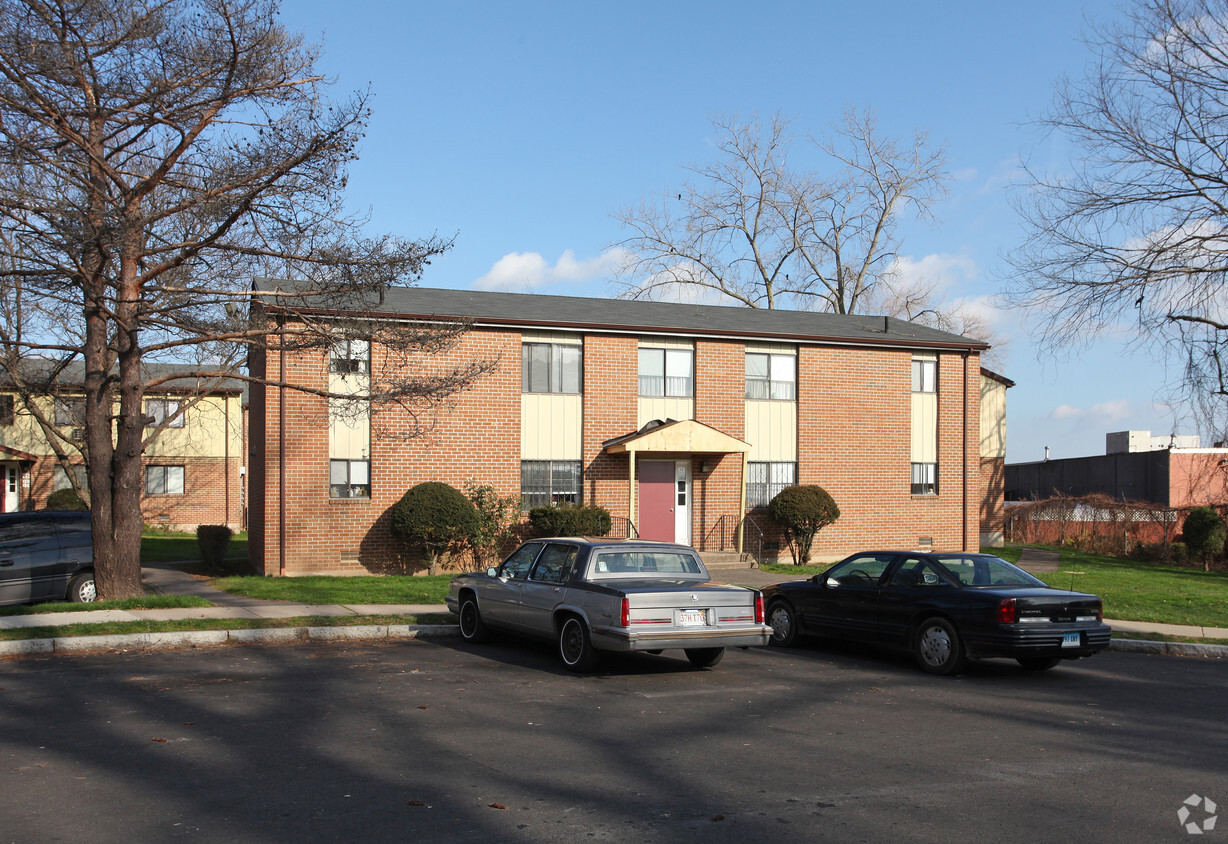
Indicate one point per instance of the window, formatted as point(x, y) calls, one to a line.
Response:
point(551, 368)
point(924, 375)
point(349, 478)
point(924, 478)
point(667, 372)
point(60, 479)
point(350, 357)
point(7, 412)
point(159, 410)
point(517, 566)
point(164, 480)
point(771, 377)
point(545, 482)
point(555, 564)
point(765, 480)
point(70, 412)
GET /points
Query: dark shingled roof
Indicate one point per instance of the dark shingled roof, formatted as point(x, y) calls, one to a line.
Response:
point(73, 375)
point(532, 310)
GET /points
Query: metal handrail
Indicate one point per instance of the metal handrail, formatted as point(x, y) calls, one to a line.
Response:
point(628, 531)
point(752, 536)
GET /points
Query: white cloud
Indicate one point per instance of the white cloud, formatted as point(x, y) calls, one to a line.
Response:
point(1104, 412)
point(939, 271)
point(524, 272)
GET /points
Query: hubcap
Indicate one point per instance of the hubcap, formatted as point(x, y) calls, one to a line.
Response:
point(935, 646)
point(89, 592)
point(780, 623)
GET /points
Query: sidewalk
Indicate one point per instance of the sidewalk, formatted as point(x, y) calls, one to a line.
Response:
point(166, 579)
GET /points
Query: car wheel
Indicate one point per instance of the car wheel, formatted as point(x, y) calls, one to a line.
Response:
point(82, 590)
point(1038, 663)
point(705, 657)
point(783, 621)
point(472, 628)
point(575, 646)
point(937, 647)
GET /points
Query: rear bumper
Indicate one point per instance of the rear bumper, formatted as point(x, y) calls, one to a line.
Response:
point(1044, 641)
point(619, 639)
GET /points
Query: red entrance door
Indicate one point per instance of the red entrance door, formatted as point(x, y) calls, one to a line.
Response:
point(657, 500)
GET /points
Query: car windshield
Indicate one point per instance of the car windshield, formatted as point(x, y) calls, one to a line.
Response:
point(977, 570)
point(624, 563)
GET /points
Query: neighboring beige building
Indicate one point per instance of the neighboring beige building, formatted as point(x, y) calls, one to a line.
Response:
point(192, 473)
point(993, 457)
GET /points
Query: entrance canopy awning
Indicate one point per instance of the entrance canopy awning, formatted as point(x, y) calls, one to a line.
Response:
point(9, 453)
point(685, 437)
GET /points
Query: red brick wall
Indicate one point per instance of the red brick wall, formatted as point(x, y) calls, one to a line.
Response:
point(476, 436)
point(854, 418)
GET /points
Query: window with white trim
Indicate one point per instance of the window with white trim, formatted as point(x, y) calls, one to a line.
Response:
point(164, 480)
point(924, 478)
point(924, 375)
point(667, 372)
point(546, 482)
point(771, 376)
point(764, 480)
point(70, 412)
point(551, 368)
point(349, 357)
point(159, 410)
point(349, 478)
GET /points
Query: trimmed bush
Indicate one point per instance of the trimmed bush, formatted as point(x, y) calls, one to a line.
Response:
point(570, 520)
point(497, 515)
point(65, 499)
point(1204, 533)
point(434, 518)
point(213, 540)
point(801, 512)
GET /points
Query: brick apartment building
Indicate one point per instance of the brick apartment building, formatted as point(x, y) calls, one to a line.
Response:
point(680, 419)
point(192, 473)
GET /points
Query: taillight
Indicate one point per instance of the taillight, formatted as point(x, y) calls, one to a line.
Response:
point(624, 618)
point(758, 608)
point(1008, 612)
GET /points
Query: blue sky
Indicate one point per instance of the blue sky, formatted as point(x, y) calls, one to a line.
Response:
point(522, 127)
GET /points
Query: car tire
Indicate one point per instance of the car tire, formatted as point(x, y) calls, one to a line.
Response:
point(472, 628)
point(1038, 663)
point(705, 657)
point(575, 646)
point(937, 647)
point(82, 589)
point(782, 618)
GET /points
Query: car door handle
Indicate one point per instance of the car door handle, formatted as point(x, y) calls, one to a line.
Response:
point(5, 563)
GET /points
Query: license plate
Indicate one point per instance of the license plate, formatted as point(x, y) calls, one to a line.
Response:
point(692, 618)
point(1071, 640)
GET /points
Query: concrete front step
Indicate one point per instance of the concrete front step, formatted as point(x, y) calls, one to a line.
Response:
point(726, 560)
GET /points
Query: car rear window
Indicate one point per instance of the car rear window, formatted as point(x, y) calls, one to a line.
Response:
point(987, 571)
point(624, 563)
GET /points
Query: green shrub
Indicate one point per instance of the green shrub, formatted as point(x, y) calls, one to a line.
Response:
point(570, 520)
point(434, 518)
point(65, 499)
point(496, 516)
point(1204, 533)
point(801, 512)
point(213, 540)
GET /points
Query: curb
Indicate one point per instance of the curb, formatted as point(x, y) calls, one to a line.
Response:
point(1146, 646)
point(213, 638)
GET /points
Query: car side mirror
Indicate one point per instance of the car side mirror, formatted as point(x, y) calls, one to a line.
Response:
point(492, 572)
point(832, 582)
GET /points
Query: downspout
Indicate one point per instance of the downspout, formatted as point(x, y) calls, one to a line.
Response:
point(281, 452)
point(226, 456)
point(964, 450)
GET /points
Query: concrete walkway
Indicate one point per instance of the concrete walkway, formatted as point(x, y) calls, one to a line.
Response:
point(167, 579)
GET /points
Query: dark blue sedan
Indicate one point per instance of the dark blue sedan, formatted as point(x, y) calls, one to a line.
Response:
point(944, 608)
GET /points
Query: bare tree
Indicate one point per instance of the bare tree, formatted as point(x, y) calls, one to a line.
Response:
point(155, 155)
point(1136, 237)
point(751, 228)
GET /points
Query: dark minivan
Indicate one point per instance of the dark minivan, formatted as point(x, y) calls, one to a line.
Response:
point(46, 555)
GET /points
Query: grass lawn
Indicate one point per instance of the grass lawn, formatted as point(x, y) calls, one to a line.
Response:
point(149, 602)
point(1134, 591)
point(161, 546)
point(392, 589)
